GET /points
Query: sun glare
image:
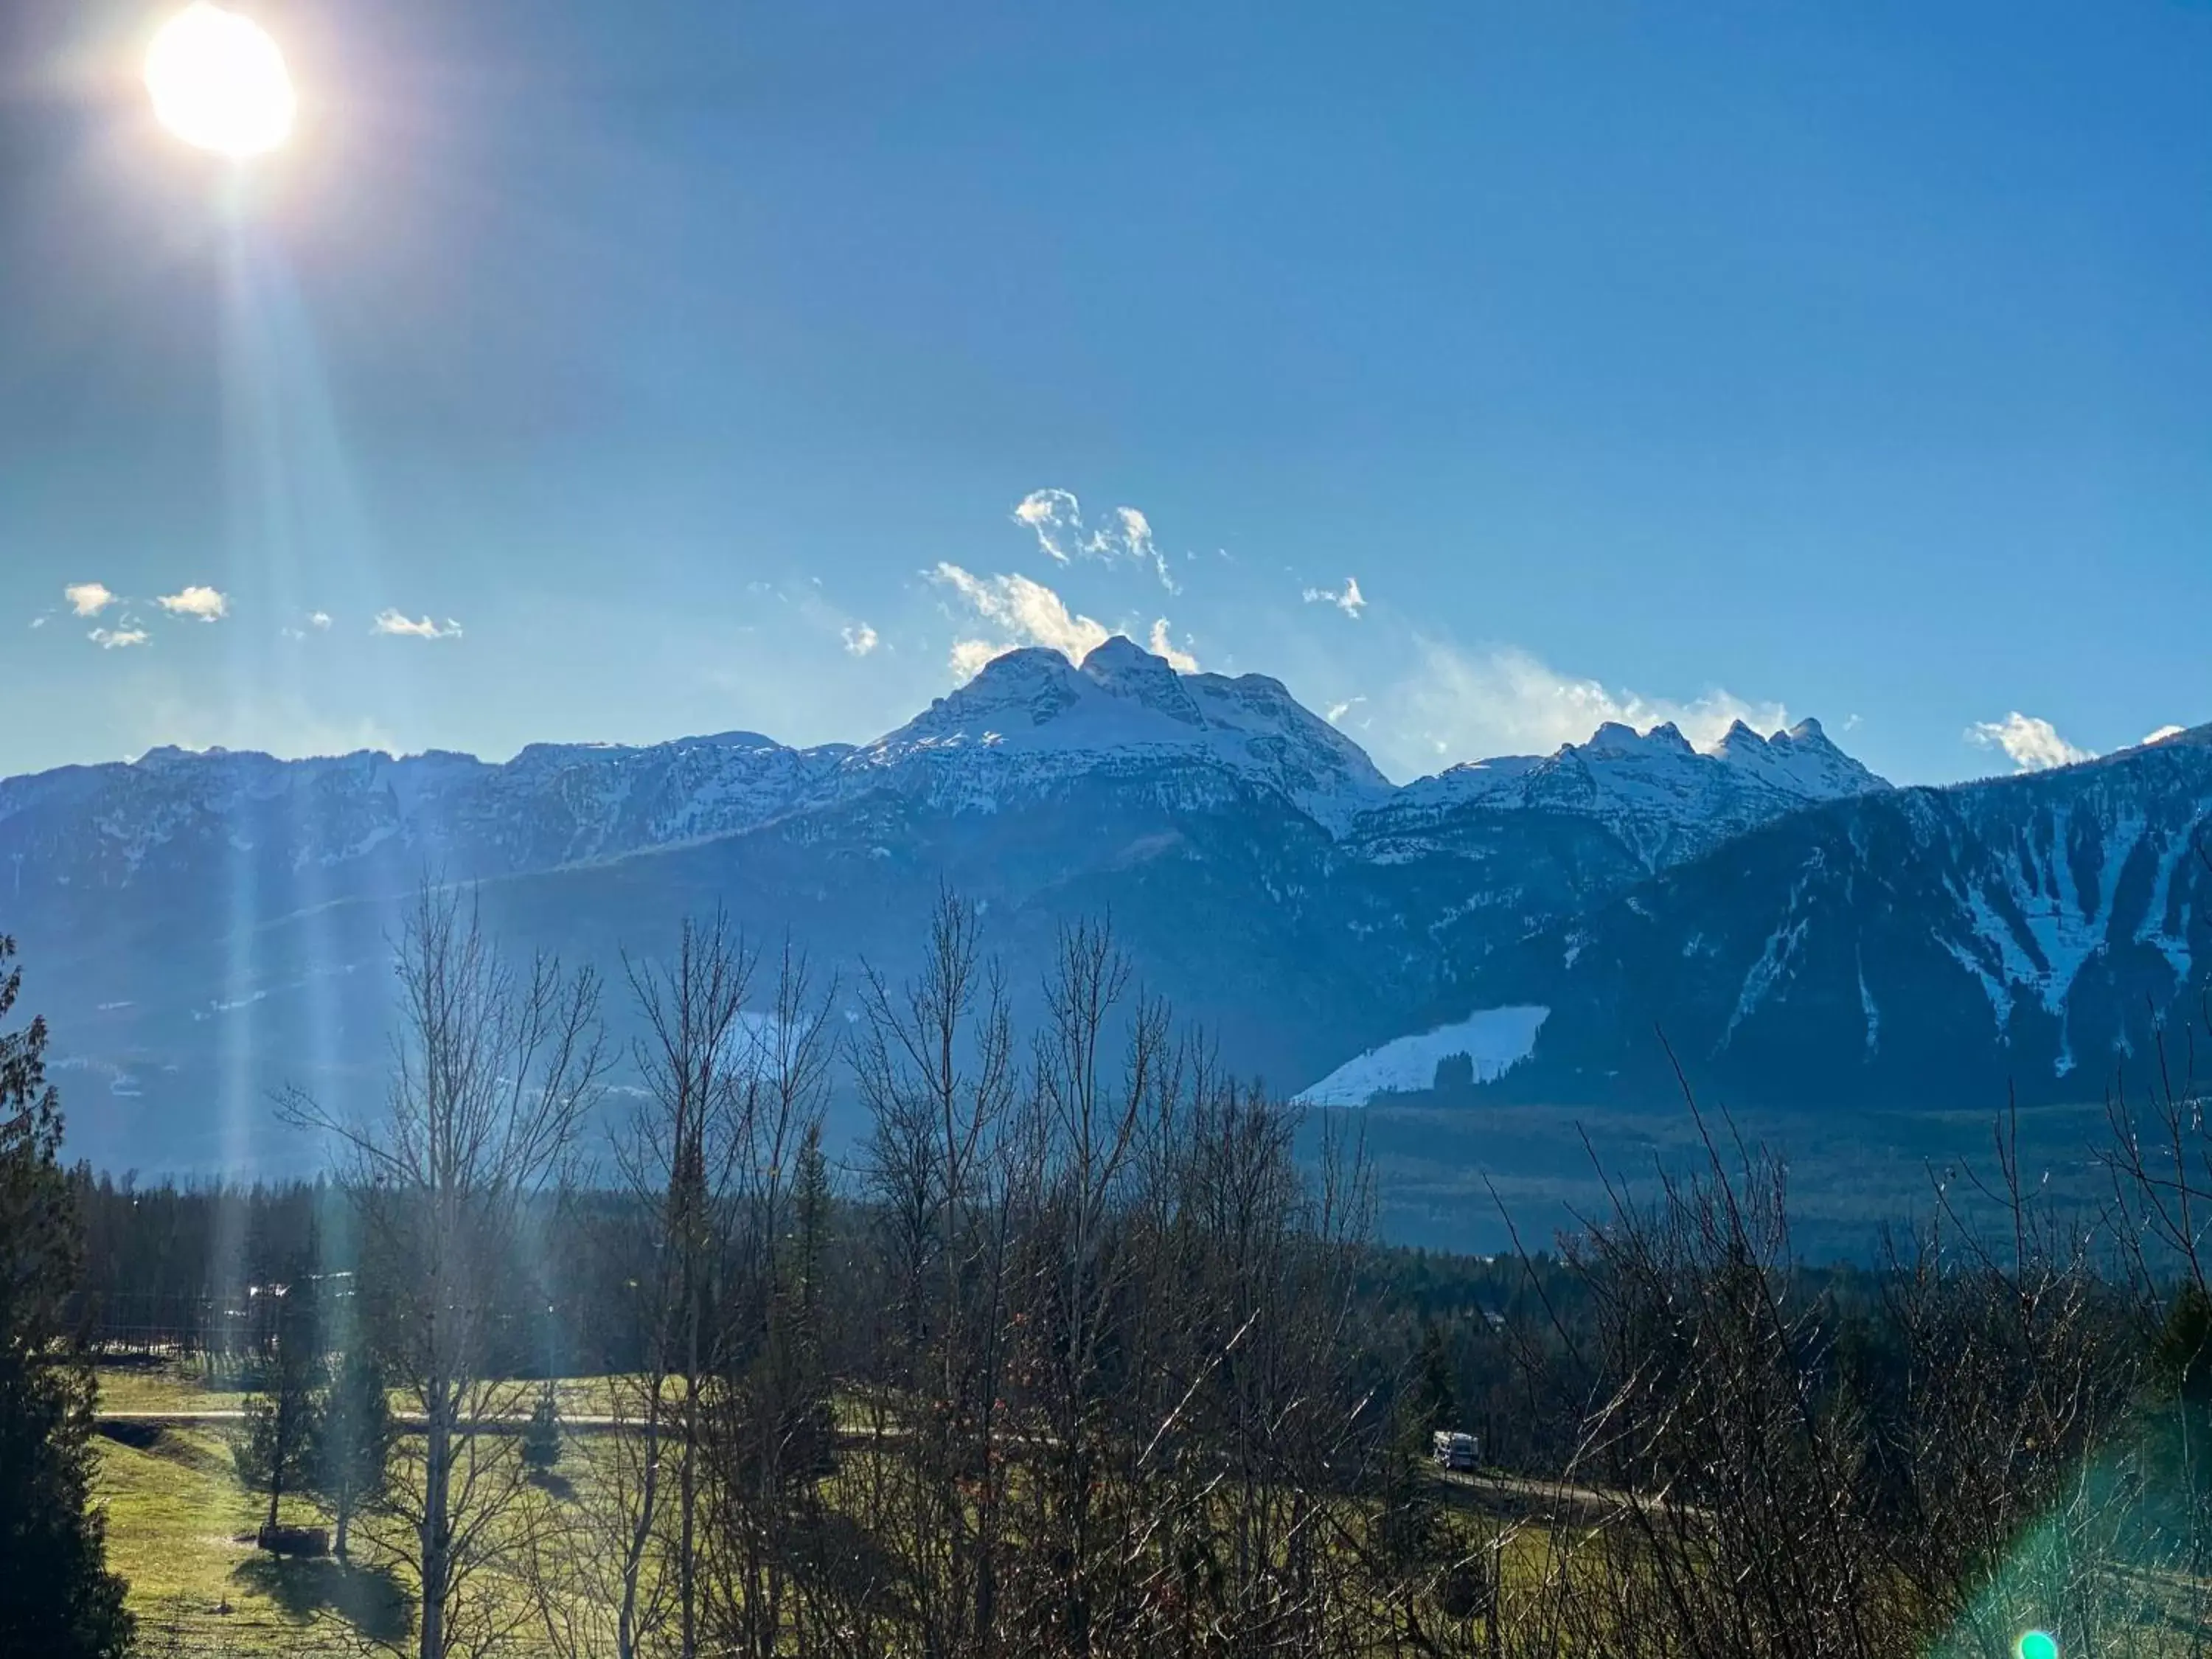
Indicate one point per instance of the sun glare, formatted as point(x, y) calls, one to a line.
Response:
point(219, 81)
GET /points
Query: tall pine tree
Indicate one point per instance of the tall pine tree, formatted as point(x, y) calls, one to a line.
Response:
point(353, 1439)
point(277, 1454)
point(57, 1596)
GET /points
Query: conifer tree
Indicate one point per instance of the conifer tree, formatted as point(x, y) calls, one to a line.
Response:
point(277, 1454)
point(541, 1435)
point(353, 1441)
point(57, 1596)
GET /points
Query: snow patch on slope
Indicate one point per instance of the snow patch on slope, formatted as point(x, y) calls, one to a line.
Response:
point(1494, 1039)
point(1867, 1008)
point(2172, 940)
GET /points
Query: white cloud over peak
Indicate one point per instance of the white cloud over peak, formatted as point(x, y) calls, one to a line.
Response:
point(1350, 600)
point(859, 639)
point(1055, 517)
point(2162, 734)
point(204, 603)
point(2032, 744)
point(87, 599)
point(116, 639)
point(1456, 705)
point(969, 657)
point(1028, 610)
point(397, 622)
point(1162, 645)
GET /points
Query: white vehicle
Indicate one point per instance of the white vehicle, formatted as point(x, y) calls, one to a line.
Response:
point(1454, 1451)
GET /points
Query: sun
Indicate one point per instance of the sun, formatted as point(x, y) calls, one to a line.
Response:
point(219, 81)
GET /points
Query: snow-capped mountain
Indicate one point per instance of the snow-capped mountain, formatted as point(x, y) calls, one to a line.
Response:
point(1663, 800)
point(203, 927)
point(1029, 724)
point(1032, 721)
point(2033, 933)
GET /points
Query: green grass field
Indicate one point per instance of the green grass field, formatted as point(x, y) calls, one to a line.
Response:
point(180, 1529)
point(180, 1525)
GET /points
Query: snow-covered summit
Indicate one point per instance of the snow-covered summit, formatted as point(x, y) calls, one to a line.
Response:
point(1032, 720)
point(1800, 760)
point(1664, 798)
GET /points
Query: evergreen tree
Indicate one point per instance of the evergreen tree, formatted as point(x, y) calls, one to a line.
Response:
point(353, 1442)
point(57, 1596)
point(813, 1428)
point(277, 1453)
point(1433, 1388)
point(541, 1437)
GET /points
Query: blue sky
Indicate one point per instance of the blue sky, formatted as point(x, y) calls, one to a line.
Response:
point(680, 367)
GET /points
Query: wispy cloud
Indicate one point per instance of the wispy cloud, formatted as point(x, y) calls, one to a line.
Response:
point(1455, 705)
point(1055, 517)
point(1164, 645)
point(204, 603)
point(2032, 744)
point(970, 657)
point(2162, 734)
point(859, 639)
point(116, 639)
point(87, 599)
point(1350, 600)
point(1136, 541)
point(1028, 610)
point(404, 627)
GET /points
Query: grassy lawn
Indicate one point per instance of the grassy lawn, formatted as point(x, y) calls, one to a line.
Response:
point(180, 1529)
point(188, 1386)
point(180, 1525)
point(174, 1388)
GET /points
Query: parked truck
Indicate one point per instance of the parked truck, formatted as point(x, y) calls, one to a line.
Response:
point(1454, 1450)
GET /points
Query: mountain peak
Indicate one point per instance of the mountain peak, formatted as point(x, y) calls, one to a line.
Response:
point(1033, 721)
point(1119, 654)
point(1614, 738)
point(1125, 669)
point(1739, 739)
point(1662, 797)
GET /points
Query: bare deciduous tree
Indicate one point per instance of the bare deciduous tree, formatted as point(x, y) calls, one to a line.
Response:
point(494, 1069)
